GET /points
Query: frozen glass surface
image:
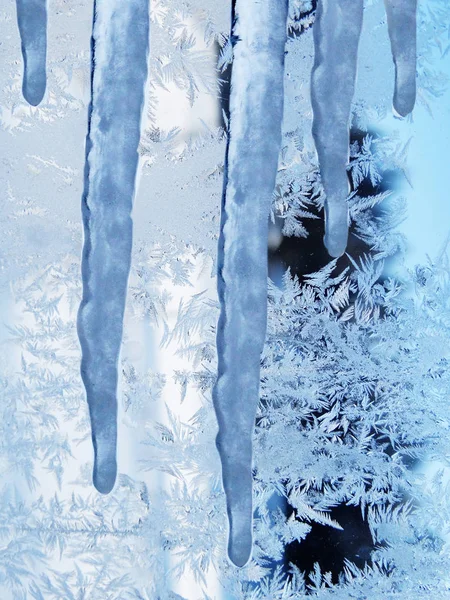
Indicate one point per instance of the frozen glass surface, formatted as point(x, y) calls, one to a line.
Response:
point(224, 283)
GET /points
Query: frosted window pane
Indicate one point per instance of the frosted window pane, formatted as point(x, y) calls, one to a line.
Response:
point(250, 206)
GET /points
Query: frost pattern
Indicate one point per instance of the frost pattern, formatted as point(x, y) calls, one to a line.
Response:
point(120, 48)
point(336, 36)
point(250, 172)
point(32, 21)
point(324, 434)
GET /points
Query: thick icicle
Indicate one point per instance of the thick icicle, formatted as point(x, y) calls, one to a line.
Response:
point(401, 18)
point(337, 31)
point(120, 45)
point(256, 109)
point(32, 21)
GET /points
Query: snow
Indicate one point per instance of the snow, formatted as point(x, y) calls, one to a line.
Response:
point(120, 52)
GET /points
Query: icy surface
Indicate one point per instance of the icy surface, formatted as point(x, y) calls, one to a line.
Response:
point(401, 18)
point(336, 36)
point(341, 385)
point(256, 108)
point(120, 50)
point(337, 31)
point(32, 21)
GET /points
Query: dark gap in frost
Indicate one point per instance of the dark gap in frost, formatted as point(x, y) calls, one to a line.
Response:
point(225, 77)
point(390, 180)
point(330, 547)
point(301, 255)
point(224, 91)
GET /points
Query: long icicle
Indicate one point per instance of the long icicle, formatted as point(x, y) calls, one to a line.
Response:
point(256, 110)
point(120, 44)
point(402, 27)
point(337, 30)
point(32, 22)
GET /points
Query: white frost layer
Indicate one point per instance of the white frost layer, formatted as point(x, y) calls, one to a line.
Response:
point(32, 21)
point(120, 53)
point(256, 109)
point(337, 30)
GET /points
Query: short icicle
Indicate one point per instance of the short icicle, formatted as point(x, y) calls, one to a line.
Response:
point(256, 110)
point(337, 30)
point(402, 26)
point(120, 45)
point(32, 21)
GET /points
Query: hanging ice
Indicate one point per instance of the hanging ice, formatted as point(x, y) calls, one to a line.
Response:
point(32, 21)
point(256, 109)
point(120, 45)
point(401, 19)
point(336, 36)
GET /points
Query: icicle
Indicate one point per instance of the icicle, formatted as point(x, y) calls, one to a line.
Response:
point(336, 36)
point(401, 18)
point(120, 48)
point(32, 21)
point(256, 109)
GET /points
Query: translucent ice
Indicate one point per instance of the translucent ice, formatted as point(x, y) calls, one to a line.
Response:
point(119, 62)
point(337, 31)
point(401, 18)
point(32, 21)
point(256, 109)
